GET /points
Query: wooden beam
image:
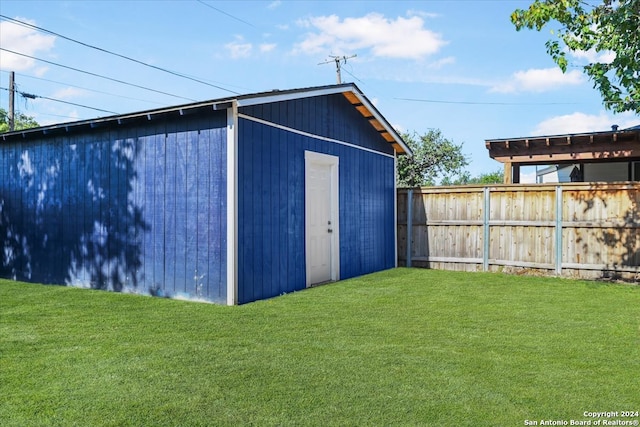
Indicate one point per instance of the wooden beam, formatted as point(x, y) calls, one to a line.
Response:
point(364, 111)
point(600, 151)
point(507, 173)
point(567, 157)
point(376, 124)
point(351, 97)
point(387, 136)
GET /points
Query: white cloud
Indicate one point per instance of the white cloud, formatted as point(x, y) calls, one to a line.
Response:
point(68, 93)
point(267, 47)
point(592, 56)
point(442, 62)
point(402, 38)
point(23, 40)
point(238, 48)
point(581, 122)
point(38, 71)
point(413, 12)
point(539, 80)
point(274, 4)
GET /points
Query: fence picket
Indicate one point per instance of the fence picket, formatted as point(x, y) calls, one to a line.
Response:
point(586, 230)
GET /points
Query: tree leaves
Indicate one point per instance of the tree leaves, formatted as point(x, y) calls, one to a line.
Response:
point(22, 121)
point(610, 27)
point(434, 156)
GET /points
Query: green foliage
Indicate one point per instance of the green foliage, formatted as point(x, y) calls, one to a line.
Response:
point(609, 27)
point(22, 121)
point(403, 347)
point(496, 177)
point(434, 156)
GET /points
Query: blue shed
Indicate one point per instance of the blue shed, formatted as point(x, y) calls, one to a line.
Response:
point(231, 200)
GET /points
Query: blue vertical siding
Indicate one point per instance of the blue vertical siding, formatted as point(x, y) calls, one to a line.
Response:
point(142, 206)
point(139, 207)
point(271, 242)
point(330, 116)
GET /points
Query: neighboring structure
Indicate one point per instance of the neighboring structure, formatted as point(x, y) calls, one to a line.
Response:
point(231, 200)
point(597, 156)
point(557, 173)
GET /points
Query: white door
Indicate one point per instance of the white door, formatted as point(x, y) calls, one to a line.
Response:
point(321, 218)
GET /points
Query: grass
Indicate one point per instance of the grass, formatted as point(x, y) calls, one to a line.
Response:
point(401, 347)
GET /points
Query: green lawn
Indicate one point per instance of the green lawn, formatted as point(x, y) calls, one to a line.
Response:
point(401, 347)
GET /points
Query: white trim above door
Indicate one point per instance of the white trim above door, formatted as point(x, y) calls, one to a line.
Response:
point(322, 227)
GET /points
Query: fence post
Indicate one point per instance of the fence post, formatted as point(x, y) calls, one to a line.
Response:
point(485, 228)
point(409, 224)
point(558, 230)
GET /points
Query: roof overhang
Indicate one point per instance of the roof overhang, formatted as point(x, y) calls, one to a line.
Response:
point(379, 123)
point(591, 147)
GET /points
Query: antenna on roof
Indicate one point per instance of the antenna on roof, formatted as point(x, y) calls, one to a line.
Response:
point(338, 60)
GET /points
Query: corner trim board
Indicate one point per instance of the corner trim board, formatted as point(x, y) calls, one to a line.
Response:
point(232, 204)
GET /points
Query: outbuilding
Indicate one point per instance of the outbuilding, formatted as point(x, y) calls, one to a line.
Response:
point(608, 156)
point(230, 200)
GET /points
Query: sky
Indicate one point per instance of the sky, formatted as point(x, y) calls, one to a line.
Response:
point(458, 66)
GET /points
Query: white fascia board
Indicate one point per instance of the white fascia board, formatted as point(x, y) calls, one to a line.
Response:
point(278, 97)
point(232, 204)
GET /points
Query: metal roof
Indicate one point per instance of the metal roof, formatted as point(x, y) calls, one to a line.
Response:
point(351, 92)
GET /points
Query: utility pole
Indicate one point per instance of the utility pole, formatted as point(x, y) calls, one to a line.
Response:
point(12, 95)
point(338, 60)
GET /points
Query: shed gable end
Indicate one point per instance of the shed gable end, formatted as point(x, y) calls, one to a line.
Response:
point(331, 116)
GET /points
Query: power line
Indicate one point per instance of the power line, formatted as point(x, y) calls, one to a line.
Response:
point(165, 70)
point(97, 75)
point(73, 103)
point(32, 96)
point(228, 14)
point(58, 115)
point(435, 101)
point(85, 88)
point(352, 75)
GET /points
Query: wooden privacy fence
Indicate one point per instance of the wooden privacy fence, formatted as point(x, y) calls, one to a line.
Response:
point(585, 230)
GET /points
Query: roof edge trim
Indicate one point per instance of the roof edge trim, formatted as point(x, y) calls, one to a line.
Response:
point(288, 95)
point(385, 124)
